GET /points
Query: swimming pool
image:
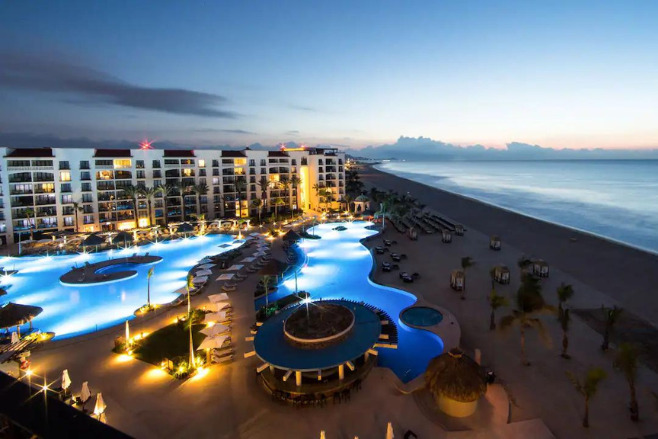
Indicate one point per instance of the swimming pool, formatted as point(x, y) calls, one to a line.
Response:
point(338, 266)
point(116, 268)
point(422, 316)
point(70, 310)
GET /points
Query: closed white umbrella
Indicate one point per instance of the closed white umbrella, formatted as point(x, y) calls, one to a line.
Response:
point(66, 380)
point(100, 407)
point(221, 297)
point(213, 342)
point(85, 394)
point(215, 330)
point(389, 431)
point(203, 273)
point(14, 337)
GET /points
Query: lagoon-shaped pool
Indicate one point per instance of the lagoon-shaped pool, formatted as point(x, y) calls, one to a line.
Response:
point(338, 266)
point(72, 310)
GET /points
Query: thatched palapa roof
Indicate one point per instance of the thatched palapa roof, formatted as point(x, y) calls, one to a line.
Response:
point(291, 236)
point(93, 239)
point(455, 376)
point(123, 236)
point(185, 228)
point(13, 314)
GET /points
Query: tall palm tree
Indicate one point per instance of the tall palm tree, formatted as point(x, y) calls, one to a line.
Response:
point(588, 387)
point(200, 190)
point(466, 262)
point(495, 301)
point(148, 286)
point(626, 361)
point(240, 186)
point(201, 220)
point(295, 181)
point(258, 204)
point(564, 293)
point(565, 318)
point(166, 190)
point(266, 284)
point(149, 193)
point(277, 202)
point(264, 185)
point(529, 304)
point(77, 208)
point(611, 316)
point(316, 188)
point(31, 214)
point(348, 200)
point(133, 192)
point(184, 189)
point(284, 184)
point(189, 285)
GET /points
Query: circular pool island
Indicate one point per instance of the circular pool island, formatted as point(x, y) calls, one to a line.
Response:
point(105, 272)
point(319, 325)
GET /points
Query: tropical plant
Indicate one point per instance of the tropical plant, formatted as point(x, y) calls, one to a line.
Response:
point(240, 185)
point(285, 184)
point(77, 208)
point(466, 262)
point(166, 190)
point(189, 284)
point(588, 387)
point(133, 192)
point(266, 284)
point(316, 188)
point(201, 220)
point(258, 204)
point(347, 199)
point(184, 189)
point(295, 181)
point(264, 185)
point(149, 193)
point(524, 262)
point(565, 318)
point(200, 190)
point(495, 301)
point(148, 286)
point(529, 304)
point(31, 214)
point(611, 316)
point(564, 293)
point(626, 361)
point(277, 202)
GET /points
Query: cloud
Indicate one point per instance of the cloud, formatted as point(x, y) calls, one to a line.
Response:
point(424, 148)
point(88, 86)
point(303, 108)
point(292, 133)
point(220, 130)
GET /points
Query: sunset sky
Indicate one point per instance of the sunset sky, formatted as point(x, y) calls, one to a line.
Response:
point(558, 74)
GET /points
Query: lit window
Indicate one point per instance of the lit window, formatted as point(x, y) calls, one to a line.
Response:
point(240, 162)
point(202, 163)
point(64, 176)
point(122, 163)
point(187, 172)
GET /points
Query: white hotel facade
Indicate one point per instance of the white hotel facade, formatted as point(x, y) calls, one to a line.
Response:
point(48, 189)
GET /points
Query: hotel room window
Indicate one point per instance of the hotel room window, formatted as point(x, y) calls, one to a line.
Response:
point(65, 176)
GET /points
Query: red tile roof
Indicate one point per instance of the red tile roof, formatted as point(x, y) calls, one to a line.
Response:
point(31, 152)
point(113, 153)
point(179, 153)
point(233, 154)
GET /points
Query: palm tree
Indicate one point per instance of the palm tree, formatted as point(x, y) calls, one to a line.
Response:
point(295, 181)
point(266, 283)
point(564, 319)
point(348, 200)
point(166, 190)
point(316, 188)
point(201, 220)
point(495, 301)
point(31, 214)
point(77, 208)
point(148, 286)
point(611, 316)
point(284, 184)
point(588, 387)
point(529, 304)
point(200, 190)
point(564, 293)
point(240, 185)
point(133, 192)
point(626, 361)
point(184, 189)
point(149, 193)
point(277, 202)
point(383, 212)
point(189, 285)
point(467, 261)
point(258, 204)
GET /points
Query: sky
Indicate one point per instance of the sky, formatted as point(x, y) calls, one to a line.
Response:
point(572, 74)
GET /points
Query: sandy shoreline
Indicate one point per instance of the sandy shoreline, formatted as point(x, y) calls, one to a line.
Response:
point(625, 274)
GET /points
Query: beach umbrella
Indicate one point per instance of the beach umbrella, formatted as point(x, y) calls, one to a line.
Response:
point(218, 297)
point(127, 331)
point(66, 380)
point(94, 240)
point(15, 314)
point(226, 276)
point(220, 305)
point(185, 228)
point(203, 273)
point(199, 280)
point(213, 342)
point(15, 338)
point(100, 406)
point(389, 431)
point(123, 236)
point(85, 394)
point(214, 330)
point(291, 236)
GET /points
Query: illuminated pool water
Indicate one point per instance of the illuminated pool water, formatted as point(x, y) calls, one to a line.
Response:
point(73, 310)
point(422, 316)
point(338, 266)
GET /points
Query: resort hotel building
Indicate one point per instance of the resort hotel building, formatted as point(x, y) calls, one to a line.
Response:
point(92, 190)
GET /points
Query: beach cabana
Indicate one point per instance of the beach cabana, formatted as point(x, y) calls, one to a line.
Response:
point(494, 242)
point(457, 280)
point(15, 314)
point(361, 204)
point(501, 274)
point(93, 240)
point(540, 268)
point(456, 382)
point(446, 236)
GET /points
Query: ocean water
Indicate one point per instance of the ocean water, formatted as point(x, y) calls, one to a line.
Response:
point(616, 199)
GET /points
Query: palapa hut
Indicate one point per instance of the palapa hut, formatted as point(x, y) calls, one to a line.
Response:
point(540, 268)
point(123, 237)
point(185, 229)
point(457, 280)
point(446, 236)
point(15, 314)
point(291, 236)
point(93, 240)
point(494, 242)
point(456, 382)
point(501, 274)
point(361, 204)
point(274, 268)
